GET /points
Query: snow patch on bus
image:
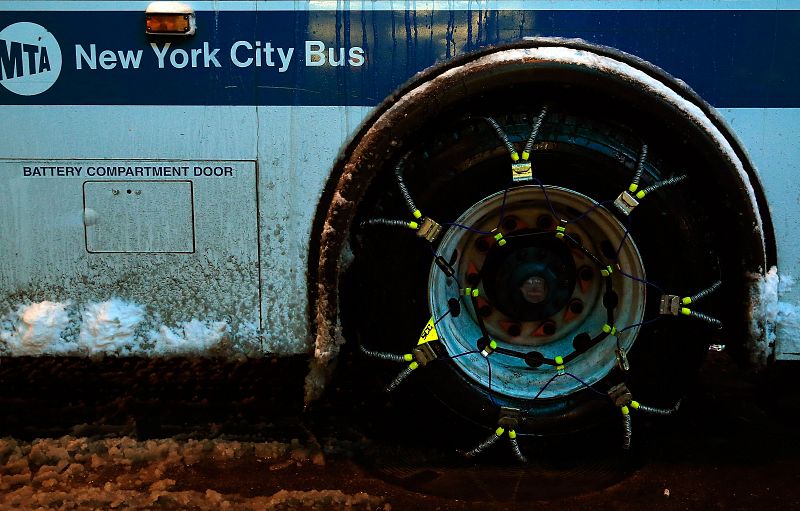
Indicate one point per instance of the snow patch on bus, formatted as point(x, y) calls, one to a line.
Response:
point(190, 338)
point(110, 326)
point(770, 316)
point(117, 327)
point(37, 328)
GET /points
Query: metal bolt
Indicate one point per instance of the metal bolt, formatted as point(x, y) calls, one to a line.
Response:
point(482, 244)
point(510, 224)
point(544, 222)
point(484, 308)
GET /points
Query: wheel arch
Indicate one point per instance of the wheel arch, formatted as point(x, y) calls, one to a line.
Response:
point(377, 140)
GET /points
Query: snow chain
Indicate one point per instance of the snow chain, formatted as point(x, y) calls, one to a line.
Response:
point(430, 348)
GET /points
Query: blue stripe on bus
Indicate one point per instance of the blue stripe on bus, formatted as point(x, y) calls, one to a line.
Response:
point(731, 58)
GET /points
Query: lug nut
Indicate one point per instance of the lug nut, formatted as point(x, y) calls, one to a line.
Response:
point(510, 223)
point(484, 308)
point(576, 306)
point(511, 328)
point(545, 329)
point(544, 222)
point(472, 275)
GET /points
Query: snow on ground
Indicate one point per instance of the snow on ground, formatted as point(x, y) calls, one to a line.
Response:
point(123, 473)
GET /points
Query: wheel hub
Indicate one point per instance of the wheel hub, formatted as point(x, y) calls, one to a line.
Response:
point(539, 297)
point(534, 289)
point(532, 279)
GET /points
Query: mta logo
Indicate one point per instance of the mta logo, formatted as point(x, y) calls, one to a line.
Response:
point(30, 59)
point(12, 63)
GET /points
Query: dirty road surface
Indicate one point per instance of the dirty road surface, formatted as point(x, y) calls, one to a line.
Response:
point(207, 434)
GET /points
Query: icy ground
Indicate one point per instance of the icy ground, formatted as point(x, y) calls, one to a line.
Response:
point(122, 473)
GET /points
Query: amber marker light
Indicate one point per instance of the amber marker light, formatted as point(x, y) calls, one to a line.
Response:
point(169, 18)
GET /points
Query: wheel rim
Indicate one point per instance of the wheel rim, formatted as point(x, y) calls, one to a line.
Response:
point(539, 297)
